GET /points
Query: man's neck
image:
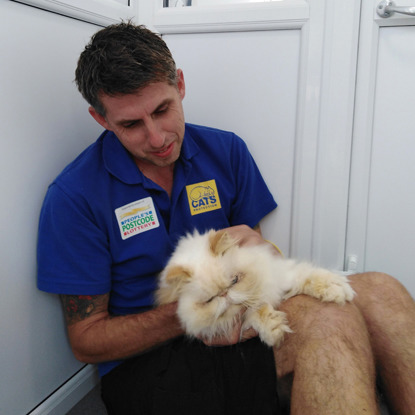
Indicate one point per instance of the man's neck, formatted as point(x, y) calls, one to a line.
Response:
point(163, 176)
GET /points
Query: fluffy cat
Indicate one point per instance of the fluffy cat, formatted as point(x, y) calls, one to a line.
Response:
point(213, 279)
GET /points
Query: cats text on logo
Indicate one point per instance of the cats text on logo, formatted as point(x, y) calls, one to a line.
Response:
point(203, 197)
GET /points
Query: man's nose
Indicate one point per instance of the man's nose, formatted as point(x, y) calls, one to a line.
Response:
point(154, 133)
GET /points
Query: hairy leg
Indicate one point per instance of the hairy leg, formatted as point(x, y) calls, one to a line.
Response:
point(389, 312)
point(327, 362)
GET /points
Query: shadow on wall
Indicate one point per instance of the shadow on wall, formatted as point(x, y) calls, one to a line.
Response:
point(176, 3)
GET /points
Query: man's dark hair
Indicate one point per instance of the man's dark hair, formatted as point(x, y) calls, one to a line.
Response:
point(121, 59)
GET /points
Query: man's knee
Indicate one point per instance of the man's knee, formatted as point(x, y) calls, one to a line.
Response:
point(375, 280)
point(379, 290)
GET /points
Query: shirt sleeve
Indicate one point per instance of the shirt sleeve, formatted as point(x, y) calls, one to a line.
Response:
point(73, 253)
point(253, 199)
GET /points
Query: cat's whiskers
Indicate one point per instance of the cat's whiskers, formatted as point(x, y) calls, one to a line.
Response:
point(221, 307)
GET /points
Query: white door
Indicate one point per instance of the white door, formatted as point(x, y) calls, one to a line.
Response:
point(381, 223)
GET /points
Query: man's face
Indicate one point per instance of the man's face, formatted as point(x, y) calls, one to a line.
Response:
point(149, 123)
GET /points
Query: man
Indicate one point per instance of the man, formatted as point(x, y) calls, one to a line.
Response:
point(125, 201)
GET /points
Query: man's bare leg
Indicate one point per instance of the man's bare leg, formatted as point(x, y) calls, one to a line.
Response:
point(389, 312)
point(328, 358)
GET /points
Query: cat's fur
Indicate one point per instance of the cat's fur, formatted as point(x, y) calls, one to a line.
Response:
point(213, 279)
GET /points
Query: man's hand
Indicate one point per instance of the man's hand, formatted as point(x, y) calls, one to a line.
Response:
point(236, 336)
point(246, 235)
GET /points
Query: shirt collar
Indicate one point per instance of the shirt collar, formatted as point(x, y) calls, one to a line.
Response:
point(189, 146)
point(118, 161)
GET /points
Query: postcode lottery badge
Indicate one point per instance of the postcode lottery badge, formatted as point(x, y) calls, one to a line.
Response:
point(137, 217)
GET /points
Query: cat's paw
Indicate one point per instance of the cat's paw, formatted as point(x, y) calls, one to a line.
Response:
point(274, 327)
point(270, 324)
point(330, 287)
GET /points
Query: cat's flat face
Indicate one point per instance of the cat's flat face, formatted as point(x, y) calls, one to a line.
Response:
point(207, 284)
point(212, 291)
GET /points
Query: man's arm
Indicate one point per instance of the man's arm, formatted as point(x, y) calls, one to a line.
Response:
point(96, 336)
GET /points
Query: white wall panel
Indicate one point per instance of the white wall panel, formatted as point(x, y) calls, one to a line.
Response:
point(91, 11)
point(391, 220)
point(45, 124)
point(381, 222)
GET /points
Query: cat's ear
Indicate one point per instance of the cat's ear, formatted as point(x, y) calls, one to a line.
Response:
point(220, 242)
point(176, 274)
point(173, 278)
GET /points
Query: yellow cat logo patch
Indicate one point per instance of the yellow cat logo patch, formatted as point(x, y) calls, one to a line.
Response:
point(203, 197)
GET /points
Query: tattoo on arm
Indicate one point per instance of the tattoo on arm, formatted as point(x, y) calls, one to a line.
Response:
point(80, 307)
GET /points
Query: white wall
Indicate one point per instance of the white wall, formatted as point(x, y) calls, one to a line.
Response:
point(45, 124)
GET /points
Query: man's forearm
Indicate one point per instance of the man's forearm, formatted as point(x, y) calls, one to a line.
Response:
point(101, 337)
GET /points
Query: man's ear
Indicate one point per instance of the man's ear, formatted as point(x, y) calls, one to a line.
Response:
point(181, 86)
point(100, 119)
point(220, 242)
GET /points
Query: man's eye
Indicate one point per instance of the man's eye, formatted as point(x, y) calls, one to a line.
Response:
point(162, 110)
point(130, 124)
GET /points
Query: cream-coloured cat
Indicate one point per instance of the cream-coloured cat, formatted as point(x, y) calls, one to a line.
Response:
point(213, 279)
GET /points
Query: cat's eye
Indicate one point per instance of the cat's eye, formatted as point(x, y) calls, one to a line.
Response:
point(210, 300)
point(235, 279)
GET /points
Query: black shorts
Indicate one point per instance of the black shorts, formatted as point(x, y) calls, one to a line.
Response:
point(186, 377)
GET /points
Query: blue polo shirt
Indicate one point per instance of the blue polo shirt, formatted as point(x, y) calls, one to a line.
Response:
point(105, 227)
